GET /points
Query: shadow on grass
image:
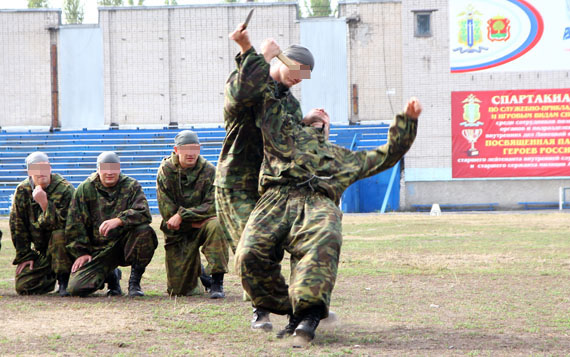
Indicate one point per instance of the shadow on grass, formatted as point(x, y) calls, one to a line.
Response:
point(426, 339)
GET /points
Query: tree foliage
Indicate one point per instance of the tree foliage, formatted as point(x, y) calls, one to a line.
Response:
point(110, 2)
point(316, 8)
point(34, 4)
point(73, 10)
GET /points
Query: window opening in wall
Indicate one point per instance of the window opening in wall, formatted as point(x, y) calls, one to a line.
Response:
point(422, 23)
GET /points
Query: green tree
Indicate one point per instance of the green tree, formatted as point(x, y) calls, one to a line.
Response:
point(317, 8)
point(132, 2)
point(73, 10)
point(170, 2)
point(110, 2)
point(33, 4)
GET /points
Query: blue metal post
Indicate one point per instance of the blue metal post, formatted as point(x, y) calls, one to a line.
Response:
point(389, 189)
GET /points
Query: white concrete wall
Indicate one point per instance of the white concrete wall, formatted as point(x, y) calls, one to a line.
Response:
point(374, 58)
point(25, 77)
point(169, 64)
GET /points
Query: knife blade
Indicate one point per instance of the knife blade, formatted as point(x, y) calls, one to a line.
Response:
point(247, 19)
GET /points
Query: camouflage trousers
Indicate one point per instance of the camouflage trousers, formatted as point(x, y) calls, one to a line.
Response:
point(135, 247)
point(306, 224)
point(183, 257)
point(233, 208)
point(41, 279)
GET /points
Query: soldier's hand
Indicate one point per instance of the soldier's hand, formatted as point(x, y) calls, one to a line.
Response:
point(413, 108)
point(109, 224)
point(199, 224)
point(40, 196)
point(79, 262)
point(174, 222)
point(270, 49)
point(241, 37)
point(22, 265)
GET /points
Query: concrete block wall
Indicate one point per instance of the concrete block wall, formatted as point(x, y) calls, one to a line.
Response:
point(374, 58)
point(25, 75)
point(426, 74)
point(170, 64)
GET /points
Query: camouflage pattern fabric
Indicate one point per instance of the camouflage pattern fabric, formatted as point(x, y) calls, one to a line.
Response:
point(135, 246)
point(40, 280)
point(303, 177)
point(183, 257)
point(234, 208)
point(300, 155)
point(306, 224)
point(39, 235)
point(242, 150)
point(132, 243)
point(190, 193)
point(237, 174)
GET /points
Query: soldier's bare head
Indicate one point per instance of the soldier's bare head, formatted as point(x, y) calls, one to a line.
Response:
point(187, 148)
point(318, 118)
point(303, 65)
point(39, 169)
point(108, 168)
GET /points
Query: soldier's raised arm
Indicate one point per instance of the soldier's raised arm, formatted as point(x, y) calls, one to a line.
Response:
point(401, 135)
point(55, 214)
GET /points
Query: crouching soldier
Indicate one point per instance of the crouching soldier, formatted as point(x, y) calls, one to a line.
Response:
point(185, 193)
point(109, 226)
point(37, 224)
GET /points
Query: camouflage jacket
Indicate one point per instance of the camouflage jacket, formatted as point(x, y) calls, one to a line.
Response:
point(188, 192)
point(298, 155)
point(93, 203)
point(30, 225)
point(242, 150)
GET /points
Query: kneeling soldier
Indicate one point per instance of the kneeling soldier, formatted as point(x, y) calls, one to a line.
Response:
point(109, 226)
point(38, 218)
point(185, 193)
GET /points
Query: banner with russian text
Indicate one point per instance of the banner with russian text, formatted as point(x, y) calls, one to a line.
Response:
point(509, 35)
point(519, 133)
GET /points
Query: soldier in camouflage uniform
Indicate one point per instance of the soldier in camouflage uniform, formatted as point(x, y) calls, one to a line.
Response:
point(237, 173)
point(109, 226)
point(185, 192)
point(37, 224)
point(302, 179)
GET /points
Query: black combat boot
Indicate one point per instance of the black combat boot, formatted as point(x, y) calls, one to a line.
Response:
point(62, 281)
point(135, 281)
point(113, 283)
point(205, 278)
point(290, 327)
point(217, 289)
point(305, 331)
point(260, 320)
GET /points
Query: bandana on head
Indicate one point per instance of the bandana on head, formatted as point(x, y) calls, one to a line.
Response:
point(186, 137)
point(36, 157)
point(301, 55)
point(108, 157)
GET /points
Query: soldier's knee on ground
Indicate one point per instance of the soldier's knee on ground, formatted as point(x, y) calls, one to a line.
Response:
point(85, 283)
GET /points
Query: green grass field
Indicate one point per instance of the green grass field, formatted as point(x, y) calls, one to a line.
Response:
point(408, 285)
